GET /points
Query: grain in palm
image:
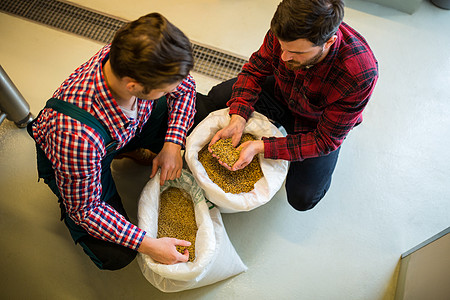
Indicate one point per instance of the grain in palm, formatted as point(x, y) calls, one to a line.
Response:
point(235, 182)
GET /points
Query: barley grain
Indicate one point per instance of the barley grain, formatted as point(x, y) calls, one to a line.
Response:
point(177, 218)
point(235, 182)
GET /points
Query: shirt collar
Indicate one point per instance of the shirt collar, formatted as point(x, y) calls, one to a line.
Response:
point(111, 114)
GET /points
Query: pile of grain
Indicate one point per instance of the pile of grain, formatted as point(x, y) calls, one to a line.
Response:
point(235, 182)
point(224, 151)
point(177, 218)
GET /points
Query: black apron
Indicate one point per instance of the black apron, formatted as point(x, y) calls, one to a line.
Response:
point(46, 172)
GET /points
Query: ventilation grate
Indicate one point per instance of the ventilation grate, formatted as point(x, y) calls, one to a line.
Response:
point(100, 27)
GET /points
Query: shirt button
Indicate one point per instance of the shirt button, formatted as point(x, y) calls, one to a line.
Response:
point(296, 89)
point(291, 101)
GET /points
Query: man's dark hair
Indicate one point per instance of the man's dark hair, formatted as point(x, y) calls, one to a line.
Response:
point(152, 51)
point(314, 20)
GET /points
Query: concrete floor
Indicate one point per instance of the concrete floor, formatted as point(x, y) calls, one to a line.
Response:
point(390, 189)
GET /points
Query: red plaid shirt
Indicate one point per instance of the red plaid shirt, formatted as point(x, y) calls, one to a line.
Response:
point(76, 150)
point(327, 100)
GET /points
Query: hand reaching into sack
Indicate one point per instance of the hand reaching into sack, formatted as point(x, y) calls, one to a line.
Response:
point(244, 154)
point(170, 162)
point(233, 130)
point(163, 250)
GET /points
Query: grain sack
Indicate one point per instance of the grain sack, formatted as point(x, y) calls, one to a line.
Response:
point(215, 257)
point(274, 171)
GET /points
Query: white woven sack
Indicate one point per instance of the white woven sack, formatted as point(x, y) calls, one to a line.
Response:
point(212, 245)
point(274, 171)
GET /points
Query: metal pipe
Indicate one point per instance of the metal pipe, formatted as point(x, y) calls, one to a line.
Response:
point(2, 117)
point(12, 102)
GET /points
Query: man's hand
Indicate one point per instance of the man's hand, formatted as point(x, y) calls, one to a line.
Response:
point(248, 151)
point(170, 162)
point(234, 129)
point(163, 250)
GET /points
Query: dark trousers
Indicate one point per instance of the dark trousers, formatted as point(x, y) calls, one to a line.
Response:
point(307, 181)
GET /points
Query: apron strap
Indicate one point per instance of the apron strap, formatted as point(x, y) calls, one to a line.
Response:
point(84, 117)
point(44, 166)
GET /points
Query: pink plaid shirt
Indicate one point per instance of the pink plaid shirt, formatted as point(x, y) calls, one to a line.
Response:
point(76, 150)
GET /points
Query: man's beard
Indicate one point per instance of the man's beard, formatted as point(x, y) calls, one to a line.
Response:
point(295, 65)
